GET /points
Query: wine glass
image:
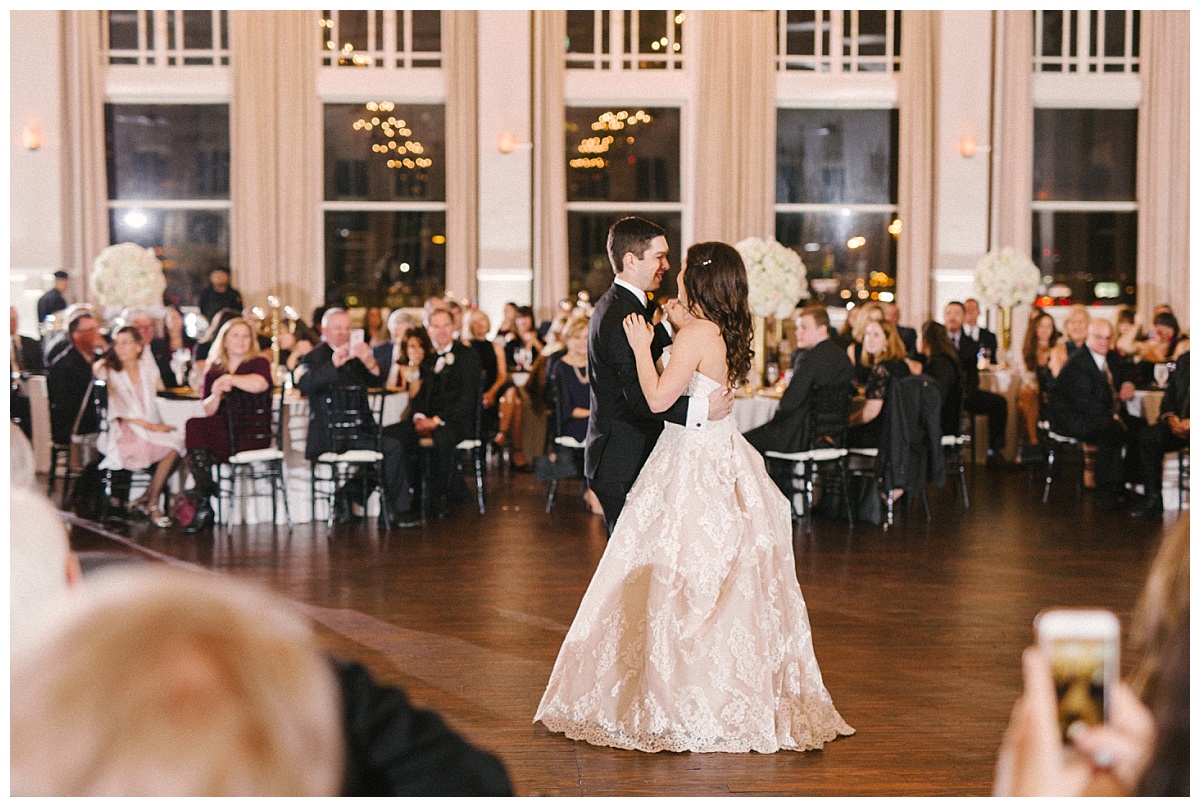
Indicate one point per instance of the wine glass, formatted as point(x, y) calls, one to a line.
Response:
point(772, 374)
point(1162, 373)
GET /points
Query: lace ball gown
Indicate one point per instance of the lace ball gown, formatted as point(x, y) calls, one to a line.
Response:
point(693, 634)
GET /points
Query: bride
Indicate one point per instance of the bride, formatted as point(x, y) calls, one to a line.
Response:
point(693, 634)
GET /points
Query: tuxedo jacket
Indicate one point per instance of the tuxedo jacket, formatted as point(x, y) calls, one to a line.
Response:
point(824, 365)
point(987, 339)
point(67, 387)
point(1081, 403)
point(621, 429)
point(319, 377)
point(968, 360)
point(1178, 398)
point(454, 393)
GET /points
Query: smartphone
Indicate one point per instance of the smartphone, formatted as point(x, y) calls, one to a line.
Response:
point(356, 336)
point(1083, 647)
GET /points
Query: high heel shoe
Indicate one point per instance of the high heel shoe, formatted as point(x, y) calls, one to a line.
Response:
point(158, 518)
point(204, 518)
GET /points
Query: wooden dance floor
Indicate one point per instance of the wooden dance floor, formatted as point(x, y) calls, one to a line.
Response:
point(918, 630)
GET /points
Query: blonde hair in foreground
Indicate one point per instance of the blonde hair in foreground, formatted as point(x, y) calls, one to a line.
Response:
point(171, 683)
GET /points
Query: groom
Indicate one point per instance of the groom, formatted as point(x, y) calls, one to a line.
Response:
point(621, 428)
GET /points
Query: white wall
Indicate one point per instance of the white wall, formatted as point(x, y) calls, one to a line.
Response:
point(35, 177)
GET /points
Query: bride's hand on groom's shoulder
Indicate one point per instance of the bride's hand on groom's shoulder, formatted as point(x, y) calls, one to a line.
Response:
point(639, 332)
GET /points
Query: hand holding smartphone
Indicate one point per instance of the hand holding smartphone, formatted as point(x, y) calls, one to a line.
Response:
point(1083, 648)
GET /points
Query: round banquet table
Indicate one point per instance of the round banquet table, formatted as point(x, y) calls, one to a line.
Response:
point(751, 411)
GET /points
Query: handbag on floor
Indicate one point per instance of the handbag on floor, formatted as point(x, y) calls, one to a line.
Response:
point(183, 509)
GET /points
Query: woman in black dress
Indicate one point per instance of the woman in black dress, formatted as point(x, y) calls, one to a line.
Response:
point(939, 360)
point(574, 390)
point(885, 353)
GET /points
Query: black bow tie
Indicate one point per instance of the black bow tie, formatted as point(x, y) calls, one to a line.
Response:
point(651, 307)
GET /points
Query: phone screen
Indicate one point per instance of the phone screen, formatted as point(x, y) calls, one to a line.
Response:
point(1080, 667)
point(356, 336)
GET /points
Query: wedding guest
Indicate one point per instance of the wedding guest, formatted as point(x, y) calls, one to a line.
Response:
point(443, 409)
point(497, 403)
point(574, 392)
point(1075, 331)
point(868, 313)
point(376, 333)
point(53, 300)
point(524, 346)
point(163, 682)
point(1166, 342)
point(235, 367)
point(1129, 331)
point(1036, 378)
point(219, 294)
point(164, 348)
point(818, 363)
point(939, 360)
point(205, 343)
point(140, 317)
point(508, 326)
point(1083, 405)
point(885, 352)
point(1172, 432)
point(907, 335)
point(59, 341)
point(136, 438)
point(70, 377)
point(977, 401)
point(335, 363)
point(390, 354)
point(985, 339)
point(406, 372)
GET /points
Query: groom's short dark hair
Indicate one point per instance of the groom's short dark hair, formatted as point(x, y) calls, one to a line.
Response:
point(630, 234)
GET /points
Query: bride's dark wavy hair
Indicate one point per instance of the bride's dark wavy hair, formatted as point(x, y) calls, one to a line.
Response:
point(717, 289)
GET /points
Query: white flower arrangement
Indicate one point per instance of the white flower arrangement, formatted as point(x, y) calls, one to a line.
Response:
point(126, 275)
point(776, 275)
point(1006, 278)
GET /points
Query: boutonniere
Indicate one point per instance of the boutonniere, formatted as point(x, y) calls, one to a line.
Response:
point(443, 361)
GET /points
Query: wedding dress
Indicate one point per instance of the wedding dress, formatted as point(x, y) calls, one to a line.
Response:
point(693, 634)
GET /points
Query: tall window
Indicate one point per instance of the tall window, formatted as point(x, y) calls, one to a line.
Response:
point(385, 203)
point(168, 187)
point(625, 40)
point(1084, 209)
point(168, 38)
point(383, 39)
point(839, 41)
point(621, 161)
point(835, 199)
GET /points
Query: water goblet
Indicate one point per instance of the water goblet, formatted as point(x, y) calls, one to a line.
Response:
point(1162, 373)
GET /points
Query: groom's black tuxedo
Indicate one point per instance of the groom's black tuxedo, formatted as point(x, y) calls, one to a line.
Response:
point(621, 428)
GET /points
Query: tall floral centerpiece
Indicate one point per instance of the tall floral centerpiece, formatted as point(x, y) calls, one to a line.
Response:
point(126, 275)
point(778, 282)
point(1006, 278)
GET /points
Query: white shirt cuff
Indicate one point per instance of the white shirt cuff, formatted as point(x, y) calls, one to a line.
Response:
point(697, 412)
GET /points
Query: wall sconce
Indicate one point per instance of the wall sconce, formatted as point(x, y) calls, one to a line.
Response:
point(968, 146)
point(507, 143)
point(31, 138)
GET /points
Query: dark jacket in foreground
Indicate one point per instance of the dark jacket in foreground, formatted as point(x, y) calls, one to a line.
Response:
point(910, 448)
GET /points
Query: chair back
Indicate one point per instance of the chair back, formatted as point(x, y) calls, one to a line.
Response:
point(829, 415)
point(97, 400)
point(253, 422)
point(353, 418)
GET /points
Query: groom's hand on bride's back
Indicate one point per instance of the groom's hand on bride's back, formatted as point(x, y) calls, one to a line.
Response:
point(720, 403)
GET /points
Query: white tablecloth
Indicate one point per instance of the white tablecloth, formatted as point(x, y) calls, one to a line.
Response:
point(1146, 403)
point(753, 411)
point(34, 387)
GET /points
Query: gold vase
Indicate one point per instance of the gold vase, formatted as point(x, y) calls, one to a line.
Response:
point(1005, 334)
point(759, 346)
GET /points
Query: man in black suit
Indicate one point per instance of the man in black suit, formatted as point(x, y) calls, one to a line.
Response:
point(621, 428)
point(337, 363)
point(68, 379)
point(908, 336)
point(53, 300)
point(1083, 405)
point(820, 364)
point(985, 339)
point(1170, 433)
point(444, 408)
point(976, 400)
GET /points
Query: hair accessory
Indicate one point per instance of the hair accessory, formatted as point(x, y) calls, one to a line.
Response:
point(706, 262)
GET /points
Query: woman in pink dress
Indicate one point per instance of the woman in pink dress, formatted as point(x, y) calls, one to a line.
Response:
point(136, 438)
point(235, 366)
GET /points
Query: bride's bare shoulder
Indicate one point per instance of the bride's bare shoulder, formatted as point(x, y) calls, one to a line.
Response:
point(699, 329)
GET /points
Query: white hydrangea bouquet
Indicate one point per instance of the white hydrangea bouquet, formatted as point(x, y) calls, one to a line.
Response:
point(126, 275)
point(776, 276)
point(1006, 278)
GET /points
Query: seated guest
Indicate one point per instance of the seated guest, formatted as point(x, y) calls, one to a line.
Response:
point(496, 383)
point(1083, 405)
point(1036, 379)
point(389, 353)
point(210, 333)
point(1075, 330)
point(136, 437)
point(374, 330)
point(975, 400)
point(820, 363)
point(1166, 342)
point(141, 318)
point(985, 339)
point(524, 346)
point(443, 409)
point(69, 378)
point(573, 389)
point(235, 366)
point(1129, 334)
point(334, 363)
point(870, 312)
point(907, 335)
point(59, 340)
point(164, 682)
point(886, 353)
point(173, 342)
point(939, 360)
point(1171, 433)
point(25, 353)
